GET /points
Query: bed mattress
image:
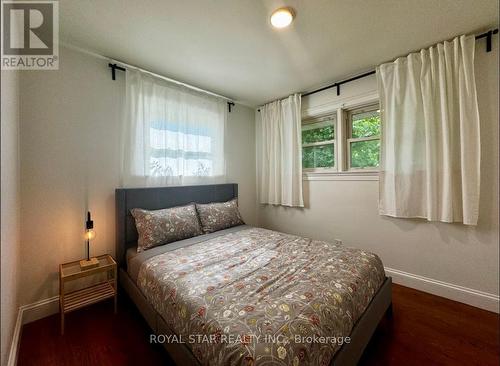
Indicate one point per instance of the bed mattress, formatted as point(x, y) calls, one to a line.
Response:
point(251, 295)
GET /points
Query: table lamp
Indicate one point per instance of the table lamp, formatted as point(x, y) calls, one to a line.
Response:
point(89, 235)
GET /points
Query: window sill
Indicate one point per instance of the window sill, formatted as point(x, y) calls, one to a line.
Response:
point(347, 176)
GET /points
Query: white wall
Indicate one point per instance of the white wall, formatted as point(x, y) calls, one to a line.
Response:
point(70, 163)
point(455, 254)
point(240, 159)
point(10, 205)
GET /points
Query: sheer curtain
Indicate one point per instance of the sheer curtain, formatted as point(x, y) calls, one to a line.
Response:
point(430, 148)
point(279, 153)
point(171, 134)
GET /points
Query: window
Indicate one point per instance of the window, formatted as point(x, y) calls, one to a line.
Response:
point(363, 138)
point(351, 145)
point(176, 150)
point(318, 143)
point(171, 134)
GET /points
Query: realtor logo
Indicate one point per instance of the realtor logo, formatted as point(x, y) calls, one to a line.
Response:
point(30, 35)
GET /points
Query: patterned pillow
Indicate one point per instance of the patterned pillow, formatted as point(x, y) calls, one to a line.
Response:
point(165, 226)
point(218, 216)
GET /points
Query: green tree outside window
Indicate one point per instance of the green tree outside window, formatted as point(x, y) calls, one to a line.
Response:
point(365, 153)
point(318, 149)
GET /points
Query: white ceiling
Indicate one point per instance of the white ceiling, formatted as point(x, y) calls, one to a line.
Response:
point(229, 47)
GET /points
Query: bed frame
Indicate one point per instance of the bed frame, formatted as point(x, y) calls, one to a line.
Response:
point(164, 197)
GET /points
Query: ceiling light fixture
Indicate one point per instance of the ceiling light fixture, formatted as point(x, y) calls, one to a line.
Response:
point(282, 17)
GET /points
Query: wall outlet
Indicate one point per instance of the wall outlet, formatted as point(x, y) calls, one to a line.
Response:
point(337, 241)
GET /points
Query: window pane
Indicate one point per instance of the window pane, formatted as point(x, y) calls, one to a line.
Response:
point(365, 124)
point(317, 132)
point(365, 153)
point(318, 156)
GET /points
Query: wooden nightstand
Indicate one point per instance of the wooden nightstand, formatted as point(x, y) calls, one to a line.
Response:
point(104, 289)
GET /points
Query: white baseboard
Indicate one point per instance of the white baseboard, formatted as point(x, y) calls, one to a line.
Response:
point(40, 309)
point(27, 314)
point(14, 346)
point(450, 291)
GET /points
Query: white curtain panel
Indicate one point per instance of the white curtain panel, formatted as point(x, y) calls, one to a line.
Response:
point(171, 135)
point(430, 148)
point(279, 153)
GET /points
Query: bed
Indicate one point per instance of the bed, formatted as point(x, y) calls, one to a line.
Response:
point(247, 295)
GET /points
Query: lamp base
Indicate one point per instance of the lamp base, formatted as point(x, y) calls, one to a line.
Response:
point(88, 264)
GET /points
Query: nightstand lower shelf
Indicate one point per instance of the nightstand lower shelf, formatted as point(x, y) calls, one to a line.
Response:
point(87, 296)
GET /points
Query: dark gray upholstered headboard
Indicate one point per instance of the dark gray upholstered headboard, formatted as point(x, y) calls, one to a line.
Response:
point(157, 198)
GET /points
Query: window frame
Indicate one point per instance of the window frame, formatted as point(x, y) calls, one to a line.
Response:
point(340, 112)
point(325, 117)
point(348, 113)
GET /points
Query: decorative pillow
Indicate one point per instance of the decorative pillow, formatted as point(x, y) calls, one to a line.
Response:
point(218, 216)
point(165, 226)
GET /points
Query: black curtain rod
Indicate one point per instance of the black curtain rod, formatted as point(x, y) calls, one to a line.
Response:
point(115, 67)
point(339, 83)
point(488, 35)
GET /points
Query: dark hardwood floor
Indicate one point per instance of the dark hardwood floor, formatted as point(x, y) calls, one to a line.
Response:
point(93, 336)
point(424, 330)
point(431, 330)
